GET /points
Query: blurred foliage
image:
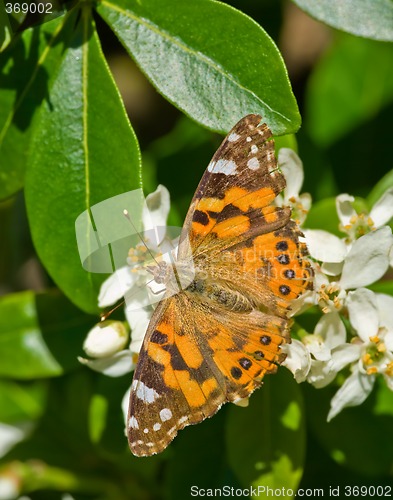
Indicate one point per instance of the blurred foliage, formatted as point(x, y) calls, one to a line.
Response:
point(66, 140)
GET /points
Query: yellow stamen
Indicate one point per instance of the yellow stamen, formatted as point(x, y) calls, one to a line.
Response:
point(372, 370)
point(389, 369)
point(374, 339)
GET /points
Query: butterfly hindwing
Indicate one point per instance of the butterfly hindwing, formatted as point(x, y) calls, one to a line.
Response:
point(186, 373)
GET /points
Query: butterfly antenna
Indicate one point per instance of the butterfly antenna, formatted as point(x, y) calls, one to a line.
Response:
point(105, 316)
point(127, 216)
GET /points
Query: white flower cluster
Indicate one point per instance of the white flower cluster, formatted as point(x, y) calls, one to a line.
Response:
point(344, 267)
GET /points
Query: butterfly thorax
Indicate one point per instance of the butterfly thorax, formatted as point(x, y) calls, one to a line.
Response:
point(184, 277)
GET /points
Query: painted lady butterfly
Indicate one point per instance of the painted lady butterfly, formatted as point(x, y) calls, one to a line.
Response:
point(215, 340)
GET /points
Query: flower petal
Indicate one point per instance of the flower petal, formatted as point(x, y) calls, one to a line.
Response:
point(352, 393)
point(155, 214)
point(331, 329)
point(382, 211)
point(321, 374)
point(125, 402)
point(345, 210)
point(332, 268)
point(344, 354)
point(116, 286)
point(363, 313)
point(368, 259)
point(316, 345)
point(298, 359)
point(325, 246)
point(292, 168)
point(139, 321)
point(115, 366)
point(385, 310)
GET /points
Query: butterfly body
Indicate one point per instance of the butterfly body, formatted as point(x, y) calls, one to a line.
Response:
point(224, 315)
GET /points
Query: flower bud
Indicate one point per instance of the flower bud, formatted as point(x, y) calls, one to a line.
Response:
point(105, 339)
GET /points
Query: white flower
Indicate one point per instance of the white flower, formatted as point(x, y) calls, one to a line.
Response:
point(364, 262)
point(292, 168)
point(371, 315)
point(356, 225)
point(318, 357)
point(106, 341)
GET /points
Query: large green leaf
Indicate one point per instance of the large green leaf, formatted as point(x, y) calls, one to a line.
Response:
point(266, 441)
point(344, 437)
point(351, 84)
point(210, 60)
point(26, 68)
point(84, 151)
point(367, 18)
point(40, 335)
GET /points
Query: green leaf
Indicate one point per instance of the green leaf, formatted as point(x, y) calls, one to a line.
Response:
point(21, 401)
point(366, 18)
point(350, 85)
point(266, 441)
point(84, 151)
point(210, 60)
point(40, 335)
point(354, 437)
point(385, 286)
point(26, 68)
point(379, 189)
point(5, 28)
point(323, 215)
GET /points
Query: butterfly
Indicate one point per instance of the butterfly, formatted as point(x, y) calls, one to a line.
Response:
point(218, 331)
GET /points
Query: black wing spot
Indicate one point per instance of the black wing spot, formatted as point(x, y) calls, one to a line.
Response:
point(284, 289)
point(265, 339)
point(282, 246)
point(283, 259)
point(245, 363)
point(289, 273)
point(158, 337)
point(236, 372)
point(200, 217)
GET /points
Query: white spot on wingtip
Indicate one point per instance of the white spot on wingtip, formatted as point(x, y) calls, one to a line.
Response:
point(254, 149)
point(253, 163)
point(210, 167)
point(182, 420)
point(233, 137)
point(133, 423)
point(146, 394)
point(165, 414)
point(156, 427)
point(172, 430)
point(150, 445)
point(248, 139)
point(146, 430)
point(226, 167)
